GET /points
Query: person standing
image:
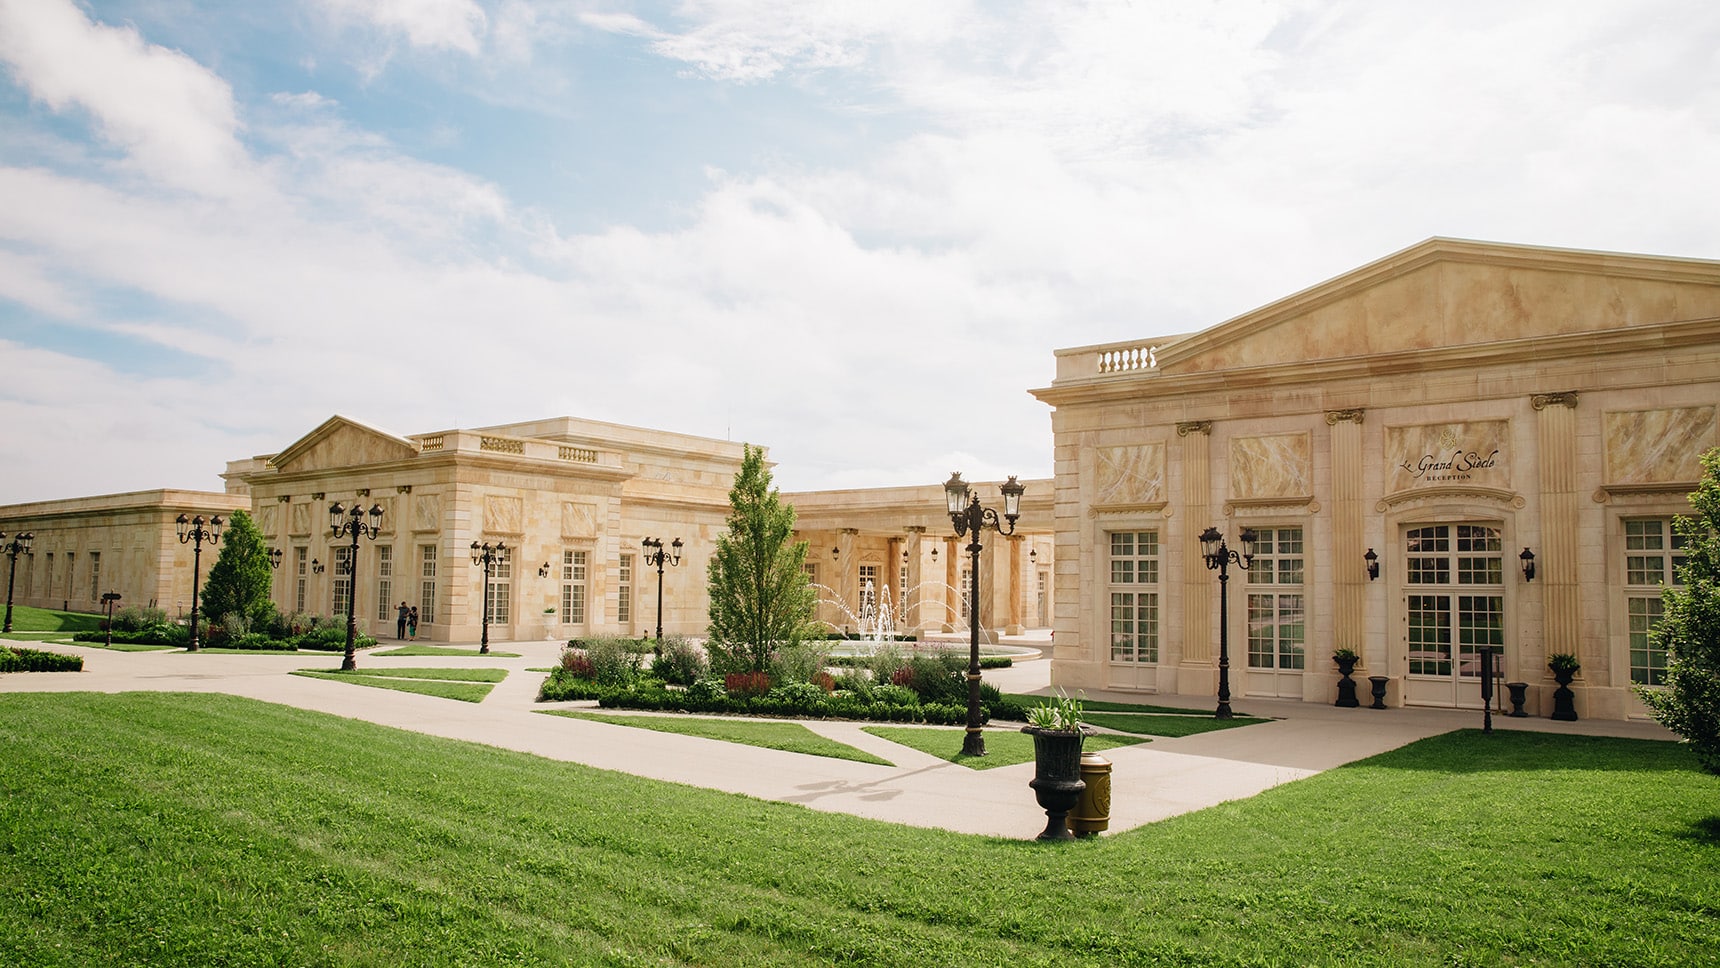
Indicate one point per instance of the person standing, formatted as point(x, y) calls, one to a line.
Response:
point(400, 622)
point(412, 623)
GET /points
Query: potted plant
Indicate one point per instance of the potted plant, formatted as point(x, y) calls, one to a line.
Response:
point(1058, 733)
point(1346, 660)
point(1564, 667)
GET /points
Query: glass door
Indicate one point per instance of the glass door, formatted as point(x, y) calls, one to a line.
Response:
point(1454, 605)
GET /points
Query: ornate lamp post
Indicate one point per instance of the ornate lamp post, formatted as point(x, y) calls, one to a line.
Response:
point(20, 544)
point(107, 602)
point(1218, 555)
point(192, 531)
point(969, 518)
point(341, 523)
point(655, 555)
point(486, 555)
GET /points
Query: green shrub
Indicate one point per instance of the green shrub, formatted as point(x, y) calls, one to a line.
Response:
point(708, 693)
point(157, 634)
point(615, 661)
point(561, 686)
point(893, 695)
point(681, 663)
point(325, 638)
point(856, 682)
point(136, 618)
point(799, 698)
point(798, 662)
point(13, 659)
point(884, 662)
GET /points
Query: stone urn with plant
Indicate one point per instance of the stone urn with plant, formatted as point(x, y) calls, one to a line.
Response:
point(1058, 733)
point(1564, 667)
point(1346, 660)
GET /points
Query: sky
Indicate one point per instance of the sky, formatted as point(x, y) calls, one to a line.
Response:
point(853, 232)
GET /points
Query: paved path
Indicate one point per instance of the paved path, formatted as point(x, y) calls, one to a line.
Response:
point(1149, 782)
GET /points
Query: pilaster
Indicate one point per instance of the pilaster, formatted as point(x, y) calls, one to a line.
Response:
point(1349, 571)
point(1556, 565)
point(1196, 671)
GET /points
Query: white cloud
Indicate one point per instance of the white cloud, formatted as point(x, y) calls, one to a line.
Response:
point(434, 24)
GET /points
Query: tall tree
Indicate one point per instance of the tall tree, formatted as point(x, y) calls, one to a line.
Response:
point(239, 581)
point(761, 599)
point(1689, 628)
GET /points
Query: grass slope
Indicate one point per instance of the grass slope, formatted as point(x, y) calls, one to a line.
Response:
point(180, 829)
point(1158, 724)
point(27, 619)
point(423, 650)
point(1093, 705)
point(442, 687)
point(792, 737)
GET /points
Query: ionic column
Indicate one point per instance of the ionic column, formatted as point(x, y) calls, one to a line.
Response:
point(1349, 571)
point(1556, 571)
point(912, 614)
point(1014, 627)
point(1198, 581)
point(952, 618)
point(847, 582)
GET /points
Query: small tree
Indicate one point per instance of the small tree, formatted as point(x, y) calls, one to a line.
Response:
point(239, 582)
point(1689, 629)
point(761, 599)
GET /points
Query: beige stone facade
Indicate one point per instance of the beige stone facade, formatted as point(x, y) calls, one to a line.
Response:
point(123, 543)
point(1447, 408)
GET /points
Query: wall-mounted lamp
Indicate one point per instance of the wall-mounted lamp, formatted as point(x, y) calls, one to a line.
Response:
point(317, 567)
point(1033, 555)
point(1373, 564)
point(1528, 559)
point(274, 558)
point(904, 556)
point(934, 554)
point(543, 570)
point(835, 552)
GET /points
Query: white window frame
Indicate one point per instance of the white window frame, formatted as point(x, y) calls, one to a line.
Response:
point(1133, 639)
point(1651, 558)
point(1276, 600)
point(575, 587)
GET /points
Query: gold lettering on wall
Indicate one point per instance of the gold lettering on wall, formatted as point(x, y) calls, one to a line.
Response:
point(1469, 452)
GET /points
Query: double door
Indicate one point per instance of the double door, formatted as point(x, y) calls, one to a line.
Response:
point(1454, 605)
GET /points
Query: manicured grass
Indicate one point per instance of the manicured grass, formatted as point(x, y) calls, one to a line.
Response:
point(1003, 747)
point(440, 686)
point(1089, 705)
point(1158, 724)
point(422, 650)
point(191, 829)
point(792, 737)
point(27, 619)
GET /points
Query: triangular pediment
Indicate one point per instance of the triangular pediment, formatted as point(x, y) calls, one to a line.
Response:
point(342, 442)
point(1446, 293)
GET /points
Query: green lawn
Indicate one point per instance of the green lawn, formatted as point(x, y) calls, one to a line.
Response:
point(191, 829)
point(1003, 747)
point(1160, 724)
point(466, 685)
point(423, 650)
point(1089, 705)
point(792, 737)
point(27, 619)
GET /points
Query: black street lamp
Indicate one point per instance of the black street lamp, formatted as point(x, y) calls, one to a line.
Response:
point(20, 544)
point(341, 523)
point(487, 556)
point(192, 531)
point(969, 518)
point(107, 602)
point(1218, 555)
point(274, 558)
point(655, 555)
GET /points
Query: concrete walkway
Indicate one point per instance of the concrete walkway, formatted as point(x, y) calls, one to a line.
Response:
point(1150, 782)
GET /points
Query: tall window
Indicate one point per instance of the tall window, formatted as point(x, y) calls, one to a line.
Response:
point(427, 584)
point(48, 576)
point(95, 576)
point(624, 591)
point(301, 568)
point(573, 587)
point(1275, 602)
point(384, 582)
point(968, 593)
point(342, 578)
point(501, 588)
point(869, 589)
point(71, 572)
point(1134, 580)
point(1471, 557)
point(1652, 556)
point(1044, 598)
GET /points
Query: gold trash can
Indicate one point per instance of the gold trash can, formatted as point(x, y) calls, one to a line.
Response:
point(1093, 812)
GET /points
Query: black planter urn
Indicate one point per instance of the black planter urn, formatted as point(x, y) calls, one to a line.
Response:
point(1564, 700)
point(1057, 782)
point(1346, 685)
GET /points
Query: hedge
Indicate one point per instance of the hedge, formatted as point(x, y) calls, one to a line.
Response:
point(13, 659)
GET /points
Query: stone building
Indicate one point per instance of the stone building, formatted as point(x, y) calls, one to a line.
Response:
point(1446, 412)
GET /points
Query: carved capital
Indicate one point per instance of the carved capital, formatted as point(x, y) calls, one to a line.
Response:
point(1353, 416)
point(1542, 401)
point(1186, 427)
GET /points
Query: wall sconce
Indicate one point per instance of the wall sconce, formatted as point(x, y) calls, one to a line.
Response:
point(1373, 564)
point(274, 558)
point(904, 556)
point(1033, 555)
point(543, 570)
point(835, 552)
point(934, 554)
point(1528, 559)
point(317, 567)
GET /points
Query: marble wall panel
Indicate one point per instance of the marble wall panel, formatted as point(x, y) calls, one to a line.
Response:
point(301, 519)
point(578, 519)
point(1657, 446)
point(1129, 475)
point(502, 514)
point(266, 520)
point(427, 512)
point(1278, 465)
point(1473, 452)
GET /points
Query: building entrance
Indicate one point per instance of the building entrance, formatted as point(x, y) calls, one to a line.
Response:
point(1454, 604)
